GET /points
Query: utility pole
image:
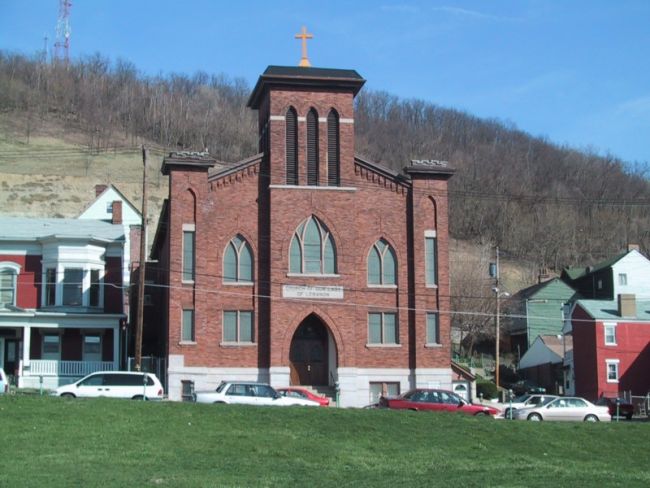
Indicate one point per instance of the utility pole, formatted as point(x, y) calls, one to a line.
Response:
point(141, 270)
point(498, 334)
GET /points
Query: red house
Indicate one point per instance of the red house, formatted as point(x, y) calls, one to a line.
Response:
point(611, 347)
point(306, 264)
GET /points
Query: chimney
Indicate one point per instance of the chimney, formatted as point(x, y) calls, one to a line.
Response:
point(627, 305)
point(543, 275)
point(117, 212)
point(99, 189)
point(632, 247)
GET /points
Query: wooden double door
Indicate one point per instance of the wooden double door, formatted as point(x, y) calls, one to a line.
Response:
point(309, 353)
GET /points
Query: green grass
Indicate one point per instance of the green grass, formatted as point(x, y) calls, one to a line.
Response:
point(49, 441)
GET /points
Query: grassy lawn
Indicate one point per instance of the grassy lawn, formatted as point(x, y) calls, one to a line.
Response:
point(57, 442)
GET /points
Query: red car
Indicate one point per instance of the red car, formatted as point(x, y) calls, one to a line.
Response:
point(303, 393)
point(436, 400)
point(625, 408)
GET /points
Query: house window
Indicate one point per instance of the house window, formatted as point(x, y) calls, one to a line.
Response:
point(610, 334)
point(333, 150)
point(622, 279)
point(238, 327)
point(50, 287)
point(7, 287)
point(433, 328)
point(188, 255)
point(312, 148)
point(51, 347)
point(381, 264)
point(238, 262)
point(599, 284)
point(292, 147)
point(312, 249)
point(92, 348)
point(382, 328)
point(109, 207)
point(73, 287)
point(385, 389)
point(187, 390)
point(430, 258)
point(94, 288)
point(612, 370)
point(187, 333)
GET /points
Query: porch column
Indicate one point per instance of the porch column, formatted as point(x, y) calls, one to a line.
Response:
point(116, 347)
point(27, 341)
point(25, 362)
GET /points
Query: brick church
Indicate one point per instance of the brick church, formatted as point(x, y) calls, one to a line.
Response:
point(305, 264)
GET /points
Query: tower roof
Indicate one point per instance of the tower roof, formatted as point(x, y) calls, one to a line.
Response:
point(305, 77)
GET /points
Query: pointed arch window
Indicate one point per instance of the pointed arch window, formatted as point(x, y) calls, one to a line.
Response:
point(238, 261)
point(292, 146)
point(312, 249)
point(382, 265)
point(312, 148)
point(333, 149)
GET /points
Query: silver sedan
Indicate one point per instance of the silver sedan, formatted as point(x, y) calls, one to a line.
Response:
point(565, 408)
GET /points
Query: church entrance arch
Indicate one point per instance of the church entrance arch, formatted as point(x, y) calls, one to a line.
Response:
point(310, 352)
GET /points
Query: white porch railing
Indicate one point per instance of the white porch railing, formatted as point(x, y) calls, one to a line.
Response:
point(46, 367)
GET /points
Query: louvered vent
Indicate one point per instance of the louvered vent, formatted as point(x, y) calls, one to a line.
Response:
point(333, 150)
point(312, 148)
point(292, 147)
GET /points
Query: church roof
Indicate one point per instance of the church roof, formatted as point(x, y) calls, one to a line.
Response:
point(304, 77)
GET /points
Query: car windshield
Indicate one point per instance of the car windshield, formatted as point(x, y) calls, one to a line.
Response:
point(520, 399)
point(221, 387)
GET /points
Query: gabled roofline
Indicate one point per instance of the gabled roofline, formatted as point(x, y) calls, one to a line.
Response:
point(383, 171)
point(109, 186)
point(238, 166)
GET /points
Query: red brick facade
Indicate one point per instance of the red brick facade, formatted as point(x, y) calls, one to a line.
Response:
point(251, 199)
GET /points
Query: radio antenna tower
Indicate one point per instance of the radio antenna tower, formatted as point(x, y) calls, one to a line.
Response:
point(62, 44)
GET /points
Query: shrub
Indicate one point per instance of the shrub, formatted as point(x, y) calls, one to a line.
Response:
point(486, 388)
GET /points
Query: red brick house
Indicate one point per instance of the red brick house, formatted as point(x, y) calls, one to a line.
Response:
point(611, 346)
point(305, 264)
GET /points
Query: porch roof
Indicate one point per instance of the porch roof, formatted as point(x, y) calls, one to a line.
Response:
point(28, 229)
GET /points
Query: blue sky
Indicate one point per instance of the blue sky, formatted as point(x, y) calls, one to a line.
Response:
point(576, 72)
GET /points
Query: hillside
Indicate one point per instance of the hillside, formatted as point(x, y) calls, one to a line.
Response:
point(83, 124)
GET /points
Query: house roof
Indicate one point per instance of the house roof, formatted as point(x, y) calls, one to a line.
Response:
point(533, 290)
point(26, 229)
point(224, 169)
point(608, 309)
point(578, 272)
point(557, 344)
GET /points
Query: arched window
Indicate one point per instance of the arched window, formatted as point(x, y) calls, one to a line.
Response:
point(333, 150)
point(312, 249)
point(8, 280)
point(292, 146)
point(381, 264)
point(238, 261)
point(312, 148)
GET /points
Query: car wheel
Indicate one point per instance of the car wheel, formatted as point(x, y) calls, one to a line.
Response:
point(68, 395)
point(139, 397)
point(219, 403)
point(480, 414)
point(591, 418)
point(535, 417)
point(628, 416)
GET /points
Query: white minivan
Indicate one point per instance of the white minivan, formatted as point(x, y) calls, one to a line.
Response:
point(114, 384)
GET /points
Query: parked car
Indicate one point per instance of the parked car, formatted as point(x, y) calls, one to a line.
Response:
point(114, 384)
point(4, 383)
point(248, 393)
point(522, 387)
point(295, 392)
point(436, 400)
point(565, 408)
point(625, 408)
point(525, 401)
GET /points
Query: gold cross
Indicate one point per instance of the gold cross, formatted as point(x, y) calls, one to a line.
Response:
point(304, 36)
